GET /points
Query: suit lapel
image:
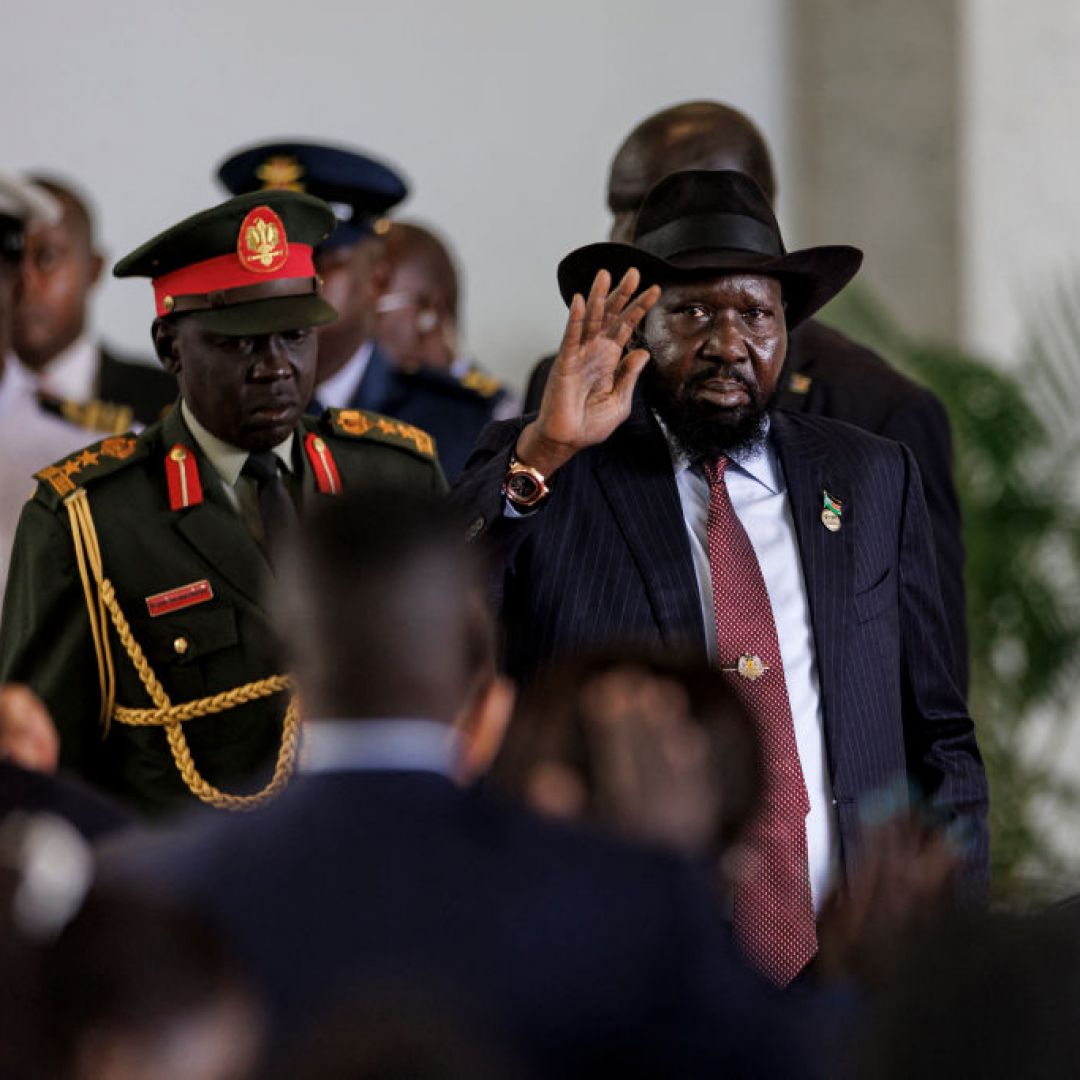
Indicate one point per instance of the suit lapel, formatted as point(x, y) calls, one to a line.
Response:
point(635, 474)
point(376, 385)
point(213, 528)
point(809, 471)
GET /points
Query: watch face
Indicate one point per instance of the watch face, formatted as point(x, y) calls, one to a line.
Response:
point(523, 487)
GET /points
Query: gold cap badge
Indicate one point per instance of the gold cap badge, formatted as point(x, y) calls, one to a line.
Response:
point(282, 172)
point(262, 245)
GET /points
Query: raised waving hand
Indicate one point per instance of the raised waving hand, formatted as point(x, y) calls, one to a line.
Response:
point(592, 381)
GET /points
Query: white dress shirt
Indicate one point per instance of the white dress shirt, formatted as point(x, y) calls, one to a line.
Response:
point(72, 374)
point(29, 440)
point(337, 391)
point(758, 492)
point(393, 744)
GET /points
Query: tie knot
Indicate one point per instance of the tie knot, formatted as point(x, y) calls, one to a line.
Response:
point(261, 466)
point(713, 469)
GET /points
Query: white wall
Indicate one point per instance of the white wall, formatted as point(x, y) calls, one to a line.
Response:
point(1020, 163)
point(502, 115)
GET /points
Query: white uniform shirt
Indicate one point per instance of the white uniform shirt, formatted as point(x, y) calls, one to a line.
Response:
point(72, 375)
point(337, 391)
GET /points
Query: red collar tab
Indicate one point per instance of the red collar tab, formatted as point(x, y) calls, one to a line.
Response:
point(263, 253)
point(327, 477)
point(182, 474)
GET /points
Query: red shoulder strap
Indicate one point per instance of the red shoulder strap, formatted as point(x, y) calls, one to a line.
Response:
point(182, 474)
point(327, 478)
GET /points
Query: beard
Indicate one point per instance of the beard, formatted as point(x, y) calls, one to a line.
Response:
point(703, 429)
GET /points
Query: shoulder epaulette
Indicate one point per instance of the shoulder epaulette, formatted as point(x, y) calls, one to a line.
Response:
point(93, 415)
point(359, 424)
point(483, 384)
point(88, 465)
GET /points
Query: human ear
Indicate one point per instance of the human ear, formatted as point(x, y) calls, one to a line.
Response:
point(164, 335)
point(481, 727)
point(97, 264)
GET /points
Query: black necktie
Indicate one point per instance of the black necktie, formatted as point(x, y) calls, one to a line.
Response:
point(275, 505)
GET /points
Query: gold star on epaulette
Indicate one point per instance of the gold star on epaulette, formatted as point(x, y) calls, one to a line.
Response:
point(62, 477)
point(422, 440)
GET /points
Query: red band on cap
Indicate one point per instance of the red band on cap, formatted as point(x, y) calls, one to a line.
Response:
point(227, 272)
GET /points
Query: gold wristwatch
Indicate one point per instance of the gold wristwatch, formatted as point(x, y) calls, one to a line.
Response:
point(524, 486)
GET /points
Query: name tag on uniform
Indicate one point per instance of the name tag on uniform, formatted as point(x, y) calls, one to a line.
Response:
point(164, 603)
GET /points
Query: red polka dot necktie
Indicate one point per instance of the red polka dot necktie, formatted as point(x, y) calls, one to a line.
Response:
point(773, 907)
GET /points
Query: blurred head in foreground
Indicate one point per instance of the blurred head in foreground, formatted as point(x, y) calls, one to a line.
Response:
point(133, 988)
point(382, 606)
point(656, 748)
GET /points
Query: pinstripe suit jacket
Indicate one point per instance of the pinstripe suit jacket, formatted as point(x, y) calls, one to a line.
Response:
point(607, 560)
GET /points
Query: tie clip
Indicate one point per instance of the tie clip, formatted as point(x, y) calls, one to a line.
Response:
point(748, 667)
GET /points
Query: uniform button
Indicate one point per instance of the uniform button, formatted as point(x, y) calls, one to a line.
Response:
point(180, 646)
point(178, 453)
point(475, 529)
point(319, 445)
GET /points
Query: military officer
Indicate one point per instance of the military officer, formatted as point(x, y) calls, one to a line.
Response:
point(136, 598)
point(354, 371)
point(419, 317)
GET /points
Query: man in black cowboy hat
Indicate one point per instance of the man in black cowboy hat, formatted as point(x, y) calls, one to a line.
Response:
point(825, 372)
point(135, 604)
point(794, 550)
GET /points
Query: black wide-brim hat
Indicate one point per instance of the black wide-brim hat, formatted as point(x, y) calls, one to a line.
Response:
point(704, 223)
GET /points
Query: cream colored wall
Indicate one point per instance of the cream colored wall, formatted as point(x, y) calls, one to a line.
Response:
point(1020, 163)
point(504, 116)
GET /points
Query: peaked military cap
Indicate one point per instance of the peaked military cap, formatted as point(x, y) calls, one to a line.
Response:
point(359, 189)
point(701, 223)
point(245, 266)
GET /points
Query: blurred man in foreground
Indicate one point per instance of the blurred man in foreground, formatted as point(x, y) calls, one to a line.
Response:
point(582, 956)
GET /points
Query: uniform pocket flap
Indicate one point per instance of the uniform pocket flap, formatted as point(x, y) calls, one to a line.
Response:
point(188, 635)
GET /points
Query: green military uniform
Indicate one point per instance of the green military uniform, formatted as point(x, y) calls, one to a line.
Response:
point(219, 640)
point(135, 602)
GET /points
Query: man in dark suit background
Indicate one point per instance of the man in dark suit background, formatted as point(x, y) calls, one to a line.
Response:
point(376, 872)
point(609, 516)
point(78, 378)
point(825, 373)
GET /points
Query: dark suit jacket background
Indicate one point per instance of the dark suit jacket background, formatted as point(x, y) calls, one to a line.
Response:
point(849, 382)
point(852, 383)
point(148, 389)
point(607, 560)
point(94, 815)
point(438, 404)
point(569, 947)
